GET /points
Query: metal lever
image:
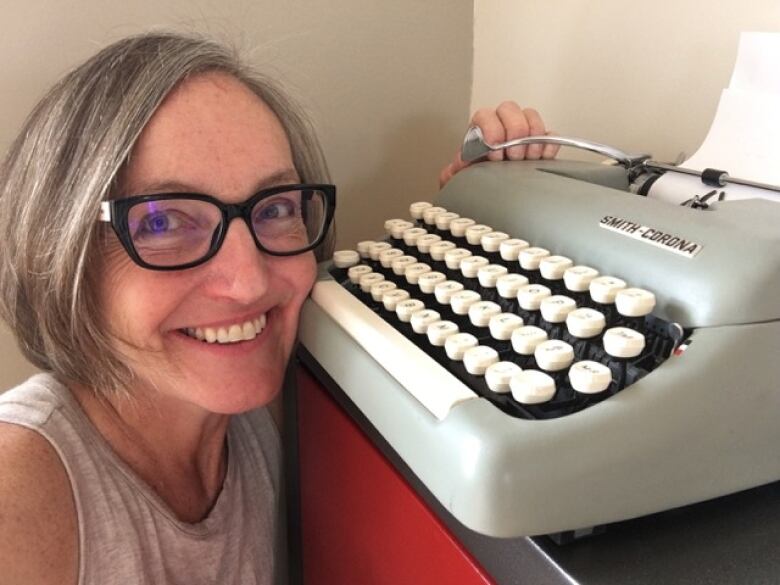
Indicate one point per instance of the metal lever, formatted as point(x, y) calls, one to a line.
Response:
point(475, 147)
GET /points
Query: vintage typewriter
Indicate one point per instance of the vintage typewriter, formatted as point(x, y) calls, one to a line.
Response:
point(548, 353)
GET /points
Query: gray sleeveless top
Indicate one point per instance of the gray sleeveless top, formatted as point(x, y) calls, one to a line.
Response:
point(127, 534)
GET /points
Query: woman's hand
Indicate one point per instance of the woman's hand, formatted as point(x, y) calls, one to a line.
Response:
point(506, 122)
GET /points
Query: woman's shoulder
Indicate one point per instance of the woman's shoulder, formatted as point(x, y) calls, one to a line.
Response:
point(38, 525)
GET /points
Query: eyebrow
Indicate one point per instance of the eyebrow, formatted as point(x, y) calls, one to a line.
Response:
point(277, 178)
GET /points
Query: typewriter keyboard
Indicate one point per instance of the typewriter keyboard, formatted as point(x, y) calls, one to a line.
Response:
point(537, 334)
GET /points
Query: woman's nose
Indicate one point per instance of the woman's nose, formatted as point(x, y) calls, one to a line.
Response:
point(239, 271)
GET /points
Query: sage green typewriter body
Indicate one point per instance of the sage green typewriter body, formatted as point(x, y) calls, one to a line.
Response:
point(706, 423)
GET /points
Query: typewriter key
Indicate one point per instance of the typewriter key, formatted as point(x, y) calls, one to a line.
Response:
point(589, 377)
point(503, 325)
point(439, 332)
point(634, 302)
point(497, 376)
point(510, 249)
point(532, 387)
point(622, 342)
point(445, 290)
point(531, 257)
point(417, 208)
point(422, 319)
point(526, 338)
point(481, 312)
point(554, 355)
point(345, 258)
point(456, 345)
point(477, 359)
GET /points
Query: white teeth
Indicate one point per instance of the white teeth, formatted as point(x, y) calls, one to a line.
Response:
point(245, 331)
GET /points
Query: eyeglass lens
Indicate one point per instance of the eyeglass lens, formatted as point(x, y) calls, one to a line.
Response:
point(171, 232)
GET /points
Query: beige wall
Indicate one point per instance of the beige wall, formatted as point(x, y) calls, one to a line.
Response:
point(387, 83)
point(644, 76)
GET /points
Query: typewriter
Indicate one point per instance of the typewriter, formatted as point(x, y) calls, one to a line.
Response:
point(548, 352)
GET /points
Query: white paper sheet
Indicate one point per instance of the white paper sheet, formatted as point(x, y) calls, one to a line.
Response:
point(744, 138)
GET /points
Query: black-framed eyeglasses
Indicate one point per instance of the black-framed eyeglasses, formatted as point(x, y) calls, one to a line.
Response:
point(173, 231)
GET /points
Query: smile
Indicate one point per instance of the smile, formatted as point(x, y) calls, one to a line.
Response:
point(235, 333)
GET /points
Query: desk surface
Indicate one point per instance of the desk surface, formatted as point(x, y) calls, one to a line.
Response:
point(733, 539)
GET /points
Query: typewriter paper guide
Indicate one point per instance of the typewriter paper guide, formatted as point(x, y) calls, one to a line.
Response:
point(704, 424)
point(744, 137)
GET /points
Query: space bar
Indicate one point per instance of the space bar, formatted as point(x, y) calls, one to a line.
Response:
point(432, 385)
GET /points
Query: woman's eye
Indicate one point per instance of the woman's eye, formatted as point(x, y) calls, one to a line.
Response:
point(279, 209)
point(159, 223)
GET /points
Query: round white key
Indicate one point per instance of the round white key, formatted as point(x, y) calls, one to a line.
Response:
point(502, 325)
point(590, 377)
point(398, 228)
point(439, 249)
point(456, 345)
point(585, 323)
point(532, 387)
point(556, 307)
point(439, 332)
point(377, 247)
point(525, 339)
point(510, 249)
point(623, 342)
point(421, 320)
point(478, 359)
point(345, 258)
point(429, 214)
point(425, 242)
point(458, 226)
point(553, 355)
point(368, 280)
point(488, 275)
point(355, 272)
point(604, 288)
point(412, 234)
point(453, 258)
point(470, 265)
point(386, 257)
point(578, 278)
point(443, 220)
point(413, 272)
point(363, 248)
point(509, 284)
point(461, 301)
point(481, 312)
point(475, 232)
point(530, 296)
point(444, 290)
point(379, 289)
point(497, 376)
point(389, 223)
point(417, 208)
point(634, 302)
point(491, 241)
point(400, 264)
point(553, 267)
point(405, 309)
point(428, 281)
point(392, 297)
point(531, 257)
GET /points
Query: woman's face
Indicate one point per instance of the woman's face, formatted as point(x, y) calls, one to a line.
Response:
point(211, 135)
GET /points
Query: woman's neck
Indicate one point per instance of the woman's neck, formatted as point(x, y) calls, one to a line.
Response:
point(176, 448)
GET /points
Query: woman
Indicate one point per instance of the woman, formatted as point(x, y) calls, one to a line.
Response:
point(146, 453)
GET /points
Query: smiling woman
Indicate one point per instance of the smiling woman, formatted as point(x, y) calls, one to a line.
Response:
point(157, 330)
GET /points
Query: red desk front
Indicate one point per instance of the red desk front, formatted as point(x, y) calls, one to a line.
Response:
point(361, 523)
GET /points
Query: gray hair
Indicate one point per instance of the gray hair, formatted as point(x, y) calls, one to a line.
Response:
point(66, 160)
